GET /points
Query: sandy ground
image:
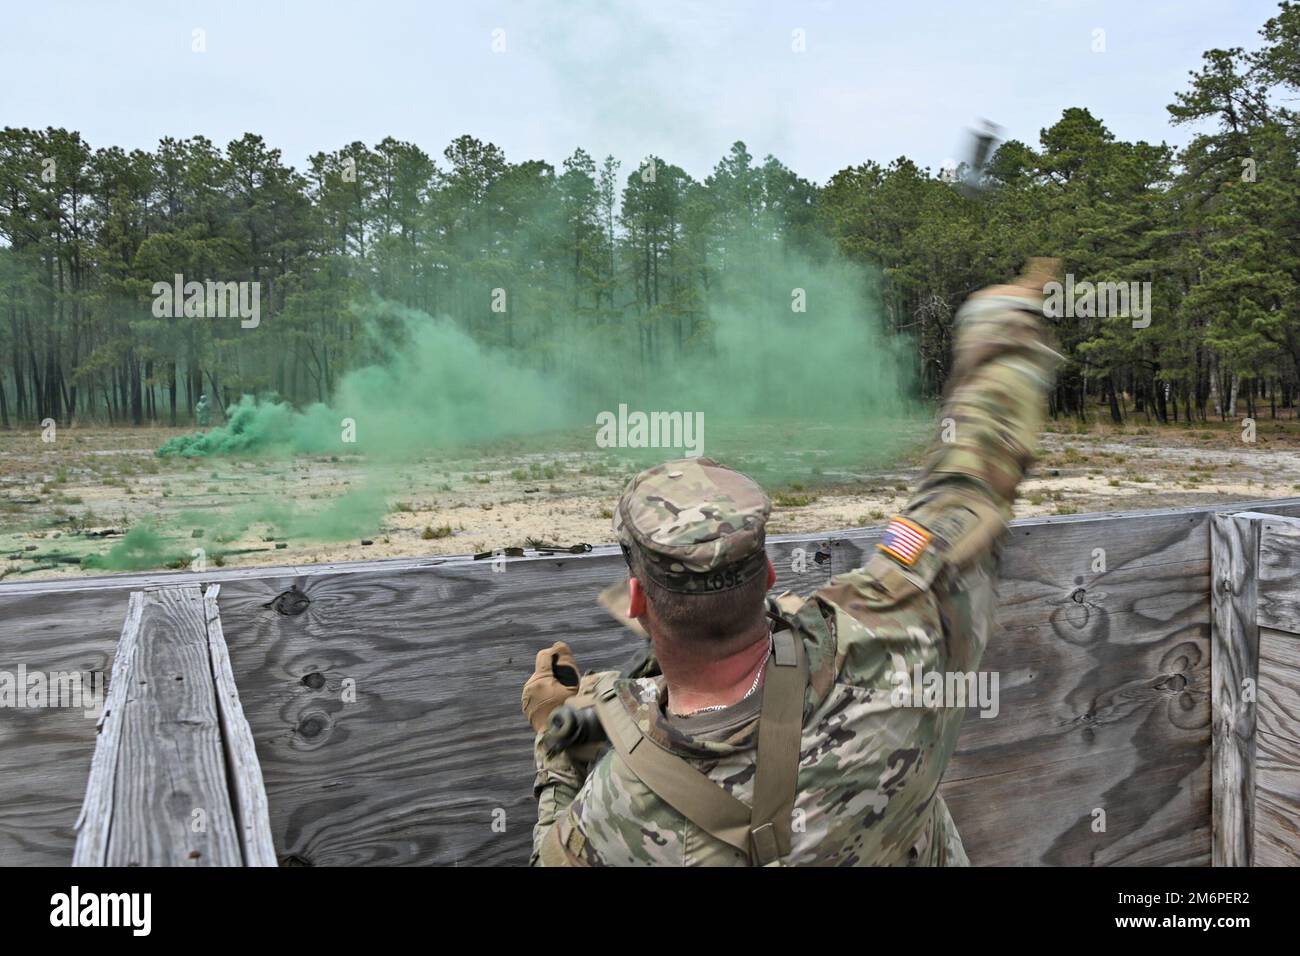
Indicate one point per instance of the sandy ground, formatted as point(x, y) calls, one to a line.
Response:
point(72, 501)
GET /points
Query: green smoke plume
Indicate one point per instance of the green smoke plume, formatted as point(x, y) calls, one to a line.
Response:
point(140, 549)
point(751, 360)
point(786, 363)
point(432, 386)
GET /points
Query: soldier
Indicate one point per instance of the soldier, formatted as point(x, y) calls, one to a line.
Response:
point(775, 733)
point(203, 412)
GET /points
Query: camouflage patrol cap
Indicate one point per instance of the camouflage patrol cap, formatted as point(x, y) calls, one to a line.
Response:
point(698, 526)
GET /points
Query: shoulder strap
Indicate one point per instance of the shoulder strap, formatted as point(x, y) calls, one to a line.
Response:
point(673, 780)
point(762, 832)
point(780, 729)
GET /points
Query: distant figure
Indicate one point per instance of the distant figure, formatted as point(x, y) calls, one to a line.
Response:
point(788, 731)
point(203, 411)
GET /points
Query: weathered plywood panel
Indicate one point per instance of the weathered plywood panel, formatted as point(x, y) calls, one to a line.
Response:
point(386, 711)
point(45, 753)
point(1143, 808)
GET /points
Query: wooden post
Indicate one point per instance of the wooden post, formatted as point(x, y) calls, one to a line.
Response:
point(1234, 666)
point(97, 809)
point(252, 818)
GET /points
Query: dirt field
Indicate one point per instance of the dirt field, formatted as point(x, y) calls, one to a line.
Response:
point(67, 507)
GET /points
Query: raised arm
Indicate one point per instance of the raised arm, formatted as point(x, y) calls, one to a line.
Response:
point(1003, 368)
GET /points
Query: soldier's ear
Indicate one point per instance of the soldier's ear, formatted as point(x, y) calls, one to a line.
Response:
point(771, 574)
point(635, 599)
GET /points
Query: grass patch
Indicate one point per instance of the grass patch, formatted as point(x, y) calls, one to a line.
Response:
point(786, 500)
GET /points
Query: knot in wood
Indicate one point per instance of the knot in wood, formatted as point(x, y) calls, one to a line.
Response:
point(290, 603)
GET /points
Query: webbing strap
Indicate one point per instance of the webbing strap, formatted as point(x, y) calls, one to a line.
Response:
point(673, 780)
point(762, 832)
point(780, 729)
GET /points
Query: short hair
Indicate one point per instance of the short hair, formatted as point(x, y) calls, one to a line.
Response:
point(712, 617)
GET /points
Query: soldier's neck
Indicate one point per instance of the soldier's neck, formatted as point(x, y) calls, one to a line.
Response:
point(697, 680)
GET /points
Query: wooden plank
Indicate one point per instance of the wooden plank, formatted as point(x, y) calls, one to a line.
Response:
point(1279, 684)
point(95, 822)
point(158, 793)
point(1276, 832)
point(1279, 570)
point(1277, 799)
point(1277, 787)
point(1277, 784)
point(1234, 664)
point(248, 793)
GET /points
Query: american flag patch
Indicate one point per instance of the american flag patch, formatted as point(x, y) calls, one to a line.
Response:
point(904, 540)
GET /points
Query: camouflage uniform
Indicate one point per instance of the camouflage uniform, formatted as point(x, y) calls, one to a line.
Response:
point(869, 770)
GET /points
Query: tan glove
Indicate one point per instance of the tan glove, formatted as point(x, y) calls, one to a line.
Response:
point(1029, 284)
point(554, 681)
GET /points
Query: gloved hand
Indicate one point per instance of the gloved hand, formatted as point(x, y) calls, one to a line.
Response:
point(1029, 284)
point(554, 681)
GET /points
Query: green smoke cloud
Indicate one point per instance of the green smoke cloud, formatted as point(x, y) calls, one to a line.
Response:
point(753, 362)
point(140, 549)
point(432, 387)
point(787, 364)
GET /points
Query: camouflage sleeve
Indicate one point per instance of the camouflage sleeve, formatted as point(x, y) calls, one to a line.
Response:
point(1003, 368)
point(557, 782)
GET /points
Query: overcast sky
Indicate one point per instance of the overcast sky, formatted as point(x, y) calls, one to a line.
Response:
point(682, 80)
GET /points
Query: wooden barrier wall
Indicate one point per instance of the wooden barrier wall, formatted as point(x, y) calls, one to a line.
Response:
point(384, 696)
